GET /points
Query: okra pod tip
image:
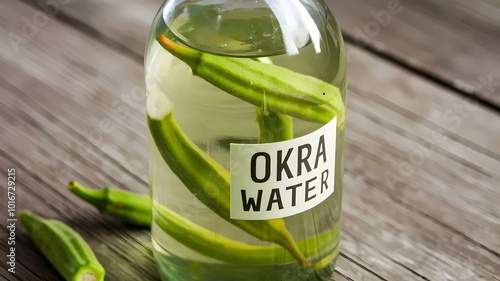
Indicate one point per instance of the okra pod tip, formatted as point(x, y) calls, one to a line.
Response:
point(188, 55)
point(94, 197)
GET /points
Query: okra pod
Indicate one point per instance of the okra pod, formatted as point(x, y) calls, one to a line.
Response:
point(64, 248)
point(218, 247)
point(131, 207)
point(277, 88)
point(206, 178)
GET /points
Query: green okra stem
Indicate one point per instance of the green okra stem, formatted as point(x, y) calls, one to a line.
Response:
point(273, 126)
point(218, 247)
point(206, 178)
point(126, 205)
point(64, 248)
point(261, 84)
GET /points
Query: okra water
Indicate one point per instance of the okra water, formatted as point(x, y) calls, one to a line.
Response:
point(246, 119)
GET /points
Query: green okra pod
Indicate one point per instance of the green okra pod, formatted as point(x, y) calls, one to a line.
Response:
point(126, 205)
point(279, 89)
point(64, 248)
point(218, 247)
point(206, 178)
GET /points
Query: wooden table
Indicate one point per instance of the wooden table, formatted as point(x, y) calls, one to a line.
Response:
point(422, 161)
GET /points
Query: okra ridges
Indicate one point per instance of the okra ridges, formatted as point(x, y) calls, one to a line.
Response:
point(64, 248)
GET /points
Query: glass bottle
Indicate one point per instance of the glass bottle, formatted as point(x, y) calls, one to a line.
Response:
point(246, 122)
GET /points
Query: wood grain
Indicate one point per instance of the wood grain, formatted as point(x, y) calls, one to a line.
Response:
point(453, 42)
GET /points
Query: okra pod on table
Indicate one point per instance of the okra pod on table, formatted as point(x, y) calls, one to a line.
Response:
point(126, 205)
point(261, 84)
point(64, 248)
point(206, 178)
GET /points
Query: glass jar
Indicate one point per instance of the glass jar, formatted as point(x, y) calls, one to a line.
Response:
point(246, 122)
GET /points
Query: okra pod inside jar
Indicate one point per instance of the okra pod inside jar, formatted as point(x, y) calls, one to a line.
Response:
point(246, 117)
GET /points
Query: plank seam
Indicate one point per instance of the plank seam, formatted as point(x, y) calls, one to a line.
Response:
point(362, 266)
point(443, 82)
point(343, 275)
point(387, 256)
point(418, 140)
point(426, 122)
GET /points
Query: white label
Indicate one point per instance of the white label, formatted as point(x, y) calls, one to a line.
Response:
point(276, 180)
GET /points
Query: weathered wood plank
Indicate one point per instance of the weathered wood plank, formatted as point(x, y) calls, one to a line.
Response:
point(457, 187)
point(74, 152)
point(445, 190)
point(379, 263)
point(68, 76)
point(420, 192)
point(346, 271)
point(453, 41)
point(415, 241)
point(459, 118)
